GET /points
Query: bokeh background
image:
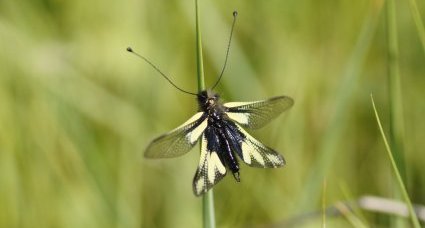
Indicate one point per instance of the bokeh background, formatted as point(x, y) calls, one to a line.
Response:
point(77, 110)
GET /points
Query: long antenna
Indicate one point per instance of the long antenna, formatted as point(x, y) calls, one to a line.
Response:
point(129, 49)
point(235, 14)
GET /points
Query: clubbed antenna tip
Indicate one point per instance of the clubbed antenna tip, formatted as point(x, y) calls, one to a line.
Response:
point(235, 13)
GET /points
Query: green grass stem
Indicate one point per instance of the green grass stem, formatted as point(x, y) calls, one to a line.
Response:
point(357, 214)
point(394, 87)
point(413, 217)
point(324, 204)
point(348, 214)
point(199, 61)
point(208, 198)
point(328, 148)
point(208, 210)
point(418, 21)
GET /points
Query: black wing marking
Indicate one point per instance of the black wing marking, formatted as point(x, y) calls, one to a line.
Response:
point(254, 153)
point(178, 141)
point(211, 168)
point(256, 114)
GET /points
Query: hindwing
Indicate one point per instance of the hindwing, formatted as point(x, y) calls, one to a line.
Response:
point(250, 150)
point(211, 168)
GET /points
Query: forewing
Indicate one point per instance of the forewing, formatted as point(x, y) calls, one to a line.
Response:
point(178, 141)
point(256, 154)
point(211, 168)
point(256, 114)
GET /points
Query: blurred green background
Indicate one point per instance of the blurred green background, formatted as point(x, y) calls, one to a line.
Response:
point(77, 110)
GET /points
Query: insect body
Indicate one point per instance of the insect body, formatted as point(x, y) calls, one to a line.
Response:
point(223, 138)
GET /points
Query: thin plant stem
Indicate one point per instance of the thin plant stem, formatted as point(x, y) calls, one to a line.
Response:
point(349, 215)
point(324, 204)
point(418, 21)
point(199, 61)
point(208, 198)
point(394, 87)
point(208, 210)
point(328, 148)
point(413, 217)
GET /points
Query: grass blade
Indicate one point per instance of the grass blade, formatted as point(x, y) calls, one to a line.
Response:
point(328, 147)
point(349, 215)
point(324, 204)
point(208, 198)
point(208, 209)
point(413, 217)
point(199, 60)
point(394, 87)
point(418, 21)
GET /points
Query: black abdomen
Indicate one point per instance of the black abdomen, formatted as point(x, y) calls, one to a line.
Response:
point(219, 142)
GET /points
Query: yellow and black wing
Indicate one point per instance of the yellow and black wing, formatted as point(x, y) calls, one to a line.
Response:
point(256, 154)
point(211, 168)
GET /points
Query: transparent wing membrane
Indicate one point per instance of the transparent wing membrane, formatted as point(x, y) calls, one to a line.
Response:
point(256, 114)
point(178, 141)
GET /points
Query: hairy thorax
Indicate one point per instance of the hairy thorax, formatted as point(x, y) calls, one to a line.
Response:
point(209, 103)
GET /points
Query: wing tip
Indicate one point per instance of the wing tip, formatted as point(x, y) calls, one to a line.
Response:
point(149, 152)
point(290, 100)
point(199, 192)
point(282, 160)
point(146, 154)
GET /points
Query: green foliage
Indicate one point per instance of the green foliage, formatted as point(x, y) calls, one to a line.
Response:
point(415, 221)
point(76, 110)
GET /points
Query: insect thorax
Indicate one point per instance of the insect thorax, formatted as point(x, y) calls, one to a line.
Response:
point(209, 102)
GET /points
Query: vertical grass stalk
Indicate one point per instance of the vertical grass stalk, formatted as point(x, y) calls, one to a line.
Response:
point(208, 198)
point(324, 204)
point(413, 217)
point(328, 148)
point(199, 60)
point(395, 97)
point(417, 18)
